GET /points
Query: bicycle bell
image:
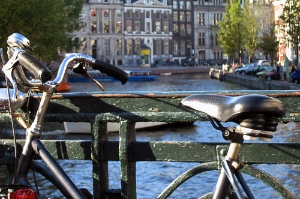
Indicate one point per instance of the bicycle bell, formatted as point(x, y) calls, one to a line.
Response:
point(20, 41)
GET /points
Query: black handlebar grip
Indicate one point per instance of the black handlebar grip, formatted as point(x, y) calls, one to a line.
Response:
point(111, 70)
point(35, 66)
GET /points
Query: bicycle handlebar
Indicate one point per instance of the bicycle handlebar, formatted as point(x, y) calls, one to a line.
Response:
point(111, 70)
point(18, 55)
point(34, 66)
point(103, 67)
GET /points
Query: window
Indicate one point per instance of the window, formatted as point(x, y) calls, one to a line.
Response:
point(176, 48)
point(181, 16)
point(128, 13)
point(105, 13)
point(188, 17)
point(137, 46)
point(106, 27)
point(106, 47)
point(128, 26)
point(188, 5)
point(157, 15)
point(201, 19)
point(83, 26)
point(188, 29)
point(202, 55)
point(181, 5)
point(93, 13)
point(175, 6)
point(128, 46)
point(148, 27)
point(147, 14)
point(182, 47)
point(157, 26)
point(175, 29)
point(166, 15)
point(137, 26)
point(137, 14)
point(158, 46)
point(216, 18)
point(119, 26)
point(166, 46)
point(94, 27)
point(175, 16)
point(93, 51)
point(118, 47)
point(166, 27)
point(201, 39)
point(118, 13)
point(182, 29)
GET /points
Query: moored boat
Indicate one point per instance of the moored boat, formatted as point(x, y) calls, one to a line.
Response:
point(135, 75)
point(84, 127)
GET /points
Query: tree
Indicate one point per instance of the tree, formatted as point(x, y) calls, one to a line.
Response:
point(251, 29)
point(231, 29)
point(291, 17)
point(48, 24)
point(269, 44)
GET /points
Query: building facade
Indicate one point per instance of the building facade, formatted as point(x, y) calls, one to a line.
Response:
point(207, 15)
point(149, 32)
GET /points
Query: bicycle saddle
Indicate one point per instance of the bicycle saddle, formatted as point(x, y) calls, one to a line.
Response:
point(251, 111)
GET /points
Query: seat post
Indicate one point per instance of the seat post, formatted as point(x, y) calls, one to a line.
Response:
point(235, 147)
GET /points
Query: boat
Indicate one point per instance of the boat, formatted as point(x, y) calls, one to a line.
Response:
point(84, 127)
point(63, 87)
point(134, 76)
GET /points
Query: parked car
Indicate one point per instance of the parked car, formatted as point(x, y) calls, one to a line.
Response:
point(192, 63)
point(268, 73)
point(295, 77)
point(211, 62)
point(189, 63)
point(248, 69)
point(262, 62)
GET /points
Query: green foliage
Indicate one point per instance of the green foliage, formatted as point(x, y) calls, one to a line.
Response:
point(291, 17)
point(48, 24)
point(269, 44)
point(251, 29)
point(231, 29)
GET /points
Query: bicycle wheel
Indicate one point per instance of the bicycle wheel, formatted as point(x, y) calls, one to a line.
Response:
point(48, 181)
point(248, 169)
point(43, 175)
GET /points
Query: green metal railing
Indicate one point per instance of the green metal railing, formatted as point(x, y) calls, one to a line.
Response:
point(128, 108)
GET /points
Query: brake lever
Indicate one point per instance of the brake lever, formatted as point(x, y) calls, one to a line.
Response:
point(2, 56)
point(8, 70)
point(79, 69)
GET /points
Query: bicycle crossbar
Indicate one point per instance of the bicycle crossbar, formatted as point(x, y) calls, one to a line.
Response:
point(128, 108)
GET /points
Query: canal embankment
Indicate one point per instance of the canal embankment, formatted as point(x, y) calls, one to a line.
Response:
point(254, 82)
point(165, 70)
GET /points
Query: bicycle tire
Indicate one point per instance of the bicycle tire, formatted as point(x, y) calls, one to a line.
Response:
point(248, 169)
point(44, 171)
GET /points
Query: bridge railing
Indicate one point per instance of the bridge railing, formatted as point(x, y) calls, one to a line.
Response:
point(129, 108)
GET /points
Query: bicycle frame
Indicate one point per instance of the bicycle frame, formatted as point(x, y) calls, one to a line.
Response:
point(33, 145)
point(230, 167)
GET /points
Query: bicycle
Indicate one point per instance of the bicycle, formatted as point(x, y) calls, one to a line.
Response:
point(244, 110)
point(18, 70)
point(256, 117)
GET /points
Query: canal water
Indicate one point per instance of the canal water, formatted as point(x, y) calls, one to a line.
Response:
point(152, 177)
